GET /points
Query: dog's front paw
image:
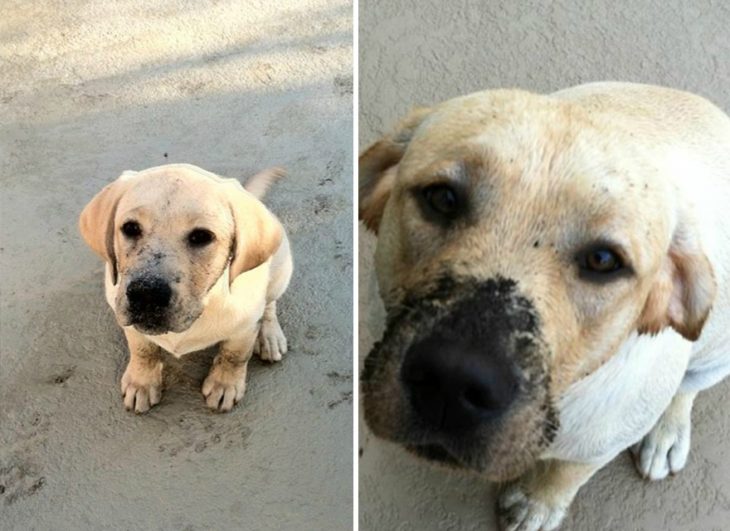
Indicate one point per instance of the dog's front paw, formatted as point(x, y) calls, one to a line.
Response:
point(142, 386)
point(665, 448)
point(271, 342)
point(224, 387)
point(519, 512)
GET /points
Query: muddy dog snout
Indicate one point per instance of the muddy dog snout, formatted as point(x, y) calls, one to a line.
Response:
point(149, 302)
point(455, 385)
point(460, 374)
point(148, 295)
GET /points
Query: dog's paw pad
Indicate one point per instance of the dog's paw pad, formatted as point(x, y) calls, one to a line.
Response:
point(223, 391)
point(271, 341)
point(518, 512)
point(141, 390)
point(664, 450)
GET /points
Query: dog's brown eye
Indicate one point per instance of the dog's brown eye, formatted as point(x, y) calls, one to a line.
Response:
point(442, 198)
point(600, 263)
point(603, 261)
point(200, 237)
point(131, 229)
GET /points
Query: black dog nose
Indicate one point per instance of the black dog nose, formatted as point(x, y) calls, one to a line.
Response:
point(456, 386)
point(148, 293)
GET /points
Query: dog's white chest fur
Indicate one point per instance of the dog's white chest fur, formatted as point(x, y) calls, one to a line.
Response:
point(616, 405)
point(226, 309)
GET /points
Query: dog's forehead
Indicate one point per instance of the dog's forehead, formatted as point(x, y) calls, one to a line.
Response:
point(529, 130)
point(528, 144)
point(505, 125)
point(179, 195)
point(536, 163)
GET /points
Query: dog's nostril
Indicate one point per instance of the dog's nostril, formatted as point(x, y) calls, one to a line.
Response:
point(148, 293)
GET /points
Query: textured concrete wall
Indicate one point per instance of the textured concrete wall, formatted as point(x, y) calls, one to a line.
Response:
point(87, 90)
point(423, 51)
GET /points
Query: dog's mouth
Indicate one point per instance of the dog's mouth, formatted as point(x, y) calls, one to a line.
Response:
point(153, 304)
point(154, 322)
point(157, 324)
point(150, 327)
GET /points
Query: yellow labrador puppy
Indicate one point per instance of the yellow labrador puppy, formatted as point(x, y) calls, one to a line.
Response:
point(556, 271)
point(192, 260)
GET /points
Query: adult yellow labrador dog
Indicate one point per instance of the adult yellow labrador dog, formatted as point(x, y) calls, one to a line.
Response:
point(192, 260)
point(555, 270)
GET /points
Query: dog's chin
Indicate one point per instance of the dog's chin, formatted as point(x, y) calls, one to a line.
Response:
point(441, 456)
point(500, 451)
point(156, 325)
point(151, 329)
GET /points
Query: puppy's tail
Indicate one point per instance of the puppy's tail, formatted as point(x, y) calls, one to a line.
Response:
point(259, 184)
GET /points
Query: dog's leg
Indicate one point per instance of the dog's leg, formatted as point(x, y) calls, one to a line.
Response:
point(539, 500)
point(665, 448)
point(142, 381)
point(271, 342)
point(226, 382)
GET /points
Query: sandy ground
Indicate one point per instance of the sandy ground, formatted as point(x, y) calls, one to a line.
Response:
point(89, 89)
point(417, 53)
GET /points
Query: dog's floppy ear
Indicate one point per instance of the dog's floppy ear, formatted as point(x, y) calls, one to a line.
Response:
point(96, 222)
point(684, 291)
point(378, 166)
point(257, 233)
